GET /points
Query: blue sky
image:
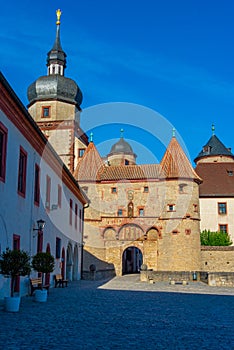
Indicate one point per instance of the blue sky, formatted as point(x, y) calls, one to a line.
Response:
point(172, 57)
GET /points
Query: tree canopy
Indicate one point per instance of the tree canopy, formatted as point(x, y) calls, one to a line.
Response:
point(209, 238)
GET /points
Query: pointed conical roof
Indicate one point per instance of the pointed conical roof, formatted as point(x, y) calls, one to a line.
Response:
point(56, 54)
point(214, 147)
point(89, 165)
point(175, 163)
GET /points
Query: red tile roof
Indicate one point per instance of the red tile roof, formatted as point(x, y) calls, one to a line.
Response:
point(175, 164)
point(89, 165)
point(131, 172)
point(218, 179)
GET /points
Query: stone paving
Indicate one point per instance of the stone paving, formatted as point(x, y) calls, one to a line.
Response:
point(123, 313)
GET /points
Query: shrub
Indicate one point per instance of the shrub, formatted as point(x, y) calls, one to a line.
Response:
point(209, 238)
point(14, 263)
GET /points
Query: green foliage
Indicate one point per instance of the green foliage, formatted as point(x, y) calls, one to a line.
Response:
point(43, 262)
point(14, 263)
point(209, 238)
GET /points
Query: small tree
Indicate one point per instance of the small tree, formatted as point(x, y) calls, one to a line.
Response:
point(209, 238)
point(43, 262)
point(14, 263)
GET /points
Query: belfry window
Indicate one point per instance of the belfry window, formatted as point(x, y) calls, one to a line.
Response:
point(45, 112)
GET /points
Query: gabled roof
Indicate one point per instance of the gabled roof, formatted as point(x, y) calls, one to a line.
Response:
point(214, 147)
point(89, 165)
point(175, 163)
point(218, 179)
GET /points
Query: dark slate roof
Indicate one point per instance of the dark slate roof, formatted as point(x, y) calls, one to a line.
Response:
point(214, 147)
point(218, 179)
point(121, 146)
point(57, 87)
point(56, 54)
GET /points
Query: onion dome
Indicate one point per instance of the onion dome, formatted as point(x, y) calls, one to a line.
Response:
point(121, 146)
point(55, 86)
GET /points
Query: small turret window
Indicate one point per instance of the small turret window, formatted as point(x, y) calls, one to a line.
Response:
point(81, 152)
point(46, 112)
point(182, 188)
point(171, 207)
point(120, 212)
point(230, 172)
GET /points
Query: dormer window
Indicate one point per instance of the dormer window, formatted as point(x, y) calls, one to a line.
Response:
point(126, 162)
point(207, 149)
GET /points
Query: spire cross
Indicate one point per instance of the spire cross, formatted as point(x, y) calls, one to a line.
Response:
point(91, 137)
point(121, 133)
point(58, 13)
point(173, 132)
point(213, 129)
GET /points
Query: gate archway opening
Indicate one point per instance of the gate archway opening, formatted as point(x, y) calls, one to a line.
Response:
point(132, 260)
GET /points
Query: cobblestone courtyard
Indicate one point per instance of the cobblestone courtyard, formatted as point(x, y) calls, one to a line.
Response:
point(123, 313)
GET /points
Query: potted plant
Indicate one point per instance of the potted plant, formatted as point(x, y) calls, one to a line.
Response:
point(14, 263)
point(42, 262)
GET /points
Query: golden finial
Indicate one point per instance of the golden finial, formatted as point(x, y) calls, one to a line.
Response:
point(58, 13)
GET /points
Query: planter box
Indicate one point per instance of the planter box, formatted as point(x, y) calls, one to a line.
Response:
point(41, 295)
point(12, 304)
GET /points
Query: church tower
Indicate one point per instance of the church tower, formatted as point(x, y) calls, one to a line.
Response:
point(55, 104)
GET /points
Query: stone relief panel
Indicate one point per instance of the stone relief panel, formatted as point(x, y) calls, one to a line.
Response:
point(130, 232)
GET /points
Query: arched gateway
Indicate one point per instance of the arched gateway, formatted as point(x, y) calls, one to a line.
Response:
point(132, 260)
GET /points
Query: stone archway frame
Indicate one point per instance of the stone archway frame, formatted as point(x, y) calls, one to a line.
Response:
point(153, 234)
point(110, 234)
point(136, 259)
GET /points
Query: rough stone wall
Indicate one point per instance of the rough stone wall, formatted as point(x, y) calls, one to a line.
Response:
point(119, 159)
point(59, 128)
point(217, 259)
point(59, 111)
point(179, 248)
point(176, 246)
